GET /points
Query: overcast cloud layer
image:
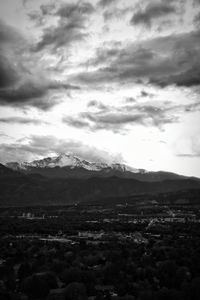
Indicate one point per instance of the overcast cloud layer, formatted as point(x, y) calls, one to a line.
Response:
point(108, 80)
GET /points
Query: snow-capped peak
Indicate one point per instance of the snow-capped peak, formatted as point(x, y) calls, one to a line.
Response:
point(71, 161)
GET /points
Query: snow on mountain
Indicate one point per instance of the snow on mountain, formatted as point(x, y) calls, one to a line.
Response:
point(71, 161)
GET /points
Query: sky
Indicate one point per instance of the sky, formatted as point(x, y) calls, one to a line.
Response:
point(107, 80)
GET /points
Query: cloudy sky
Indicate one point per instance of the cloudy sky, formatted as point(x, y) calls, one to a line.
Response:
point(109, 80)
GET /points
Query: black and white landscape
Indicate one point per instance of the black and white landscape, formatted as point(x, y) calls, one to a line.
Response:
point(99, 150)
point(68, 179)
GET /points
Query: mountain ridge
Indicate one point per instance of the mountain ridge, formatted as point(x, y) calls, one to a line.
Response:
point(63, 160)
point(18, 189)
point(71, 166)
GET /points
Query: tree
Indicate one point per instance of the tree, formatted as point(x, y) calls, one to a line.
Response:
point(71, 275)
point(35, 287)
point(195, 289)
point(76, 290)
point(24, 270)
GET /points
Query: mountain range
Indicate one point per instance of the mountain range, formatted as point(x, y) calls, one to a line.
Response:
point(67, 179)
point(70, 166)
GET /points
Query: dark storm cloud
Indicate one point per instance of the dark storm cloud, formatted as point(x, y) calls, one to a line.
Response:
point(163, 61)
point(47, 9)
point(63, 34)
point(130, 100)
point(146, 94)
point(117, 119)
point(70, 27)
point(196, 2)
point(152, 11)
point(192, 107)
point(70, 10)
point(197, 20)
point(143, 115)
point(8, 34)
point(189, 78)
point(9, 39)
point(93, 103)
point(33, 93)
point(19, 84)
point(17, 91)
point(115, 13)
point(103, 56)
point(97, 104)
point(38, 19)
point(48, 145)
point(74, 122)
point(8, 73)
point(125, 65)
point(121, 64)
point(105, 3)
point(21, 120)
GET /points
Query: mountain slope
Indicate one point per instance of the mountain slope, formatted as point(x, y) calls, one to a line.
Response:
point(7, 172)
point(65, 160)
point(70, 166)
point(30, 190)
